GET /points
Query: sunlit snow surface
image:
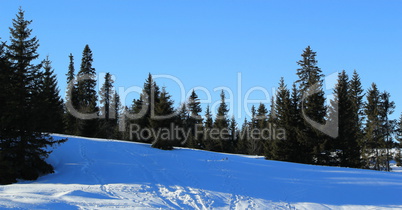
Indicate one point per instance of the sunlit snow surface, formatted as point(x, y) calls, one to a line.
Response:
point(96, 174)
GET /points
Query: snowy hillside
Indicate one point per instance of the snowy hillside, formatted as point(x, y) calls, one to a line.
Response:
point(95, 173)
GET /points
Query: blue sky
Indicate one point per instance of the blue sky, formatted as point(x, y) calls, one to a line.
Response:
point(209, 43)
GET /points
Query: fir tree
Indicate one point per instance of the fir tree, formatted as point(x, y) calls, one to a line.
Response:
point(208, 125)
point(50, 105)
point(295, 127)
point(262, 125)
point(253, 141)
point(162, 121)
point(233, 135)
point(373, 135)
point(282, 148)
point(388, 126)
point(313, 108)
point(398, 131)
point(356, 111)
point(242, 143)
point(195, 119)
point(150, 97)
point(183, 121)
point(143, 109)
point(222, 125)
point(346, 142)
point(106, 96)
point(116, 115)
point(87, 96)
point(71, 100)
point(21, 143)
point(7, 173)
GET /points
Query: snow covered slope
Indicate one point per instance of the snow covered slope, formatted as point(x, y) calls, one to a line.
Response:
point(95, 173)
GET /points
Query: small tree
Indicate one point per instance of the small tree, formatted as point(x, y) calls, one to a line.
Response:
point(208, 125)
point(71, 100)
point(222, 125)
point(107, 115)
point(195, 119)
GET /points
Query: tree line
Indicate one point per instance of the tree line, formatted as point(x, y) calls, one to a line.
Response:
point(353, 130)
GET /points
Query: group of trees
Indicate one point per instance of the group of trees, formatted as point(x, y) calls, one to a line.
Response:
point(298, 126)
point(83, 116)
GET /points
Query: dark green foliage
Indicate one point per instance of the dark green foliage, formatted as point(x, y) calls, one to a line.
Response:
point(195, 120)
point(312, 107)
point(71, 122)
point(143, 108)
point(107, 123)
point(162, 120)
point(388, 126)
point(373, 134)
point(233, 135)
point(50, 106)
point(221, 124)
point(356, 119)
point(22, 144)
point(115, 116)
point(345, 146)
point(86, 96)
point(183, 120)
point(208, 125)
point(294, 126)
point(253, 144)
point(282, 149)
point(242, 143)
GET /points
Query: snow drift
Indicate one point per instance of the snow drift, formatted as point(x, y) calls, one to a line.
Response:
point(96, 173)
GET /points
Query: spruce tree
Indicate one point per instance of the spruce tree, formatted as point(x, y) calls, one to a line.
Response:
point(195, 119)
point(106, 96)
point(242, 143)
point(373, 137)
point(183, 121)
point(262, 125)
point(222, 125)
point(71, 100)
point(150, 97)
point(7, 173)
point(208, 125)
point(346, 144)
point(312, 106)
point(162, 120)
point(233, 135)
point(143, 109)
point(50, 105)
point(6, 75)
point(295, 127)
point(253, 141)
point(356, 111)
point(87, 96)
point(398, 131)
point(282, 148)
point(388, 126)
point(116, 115)
point(23, 145)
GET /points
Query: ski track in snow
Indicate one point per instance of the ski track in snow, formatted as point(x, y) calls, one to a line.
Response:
point(99, 174)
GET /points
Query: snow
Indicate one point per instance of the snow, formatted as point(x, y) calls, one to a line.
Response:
point(98, 174)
